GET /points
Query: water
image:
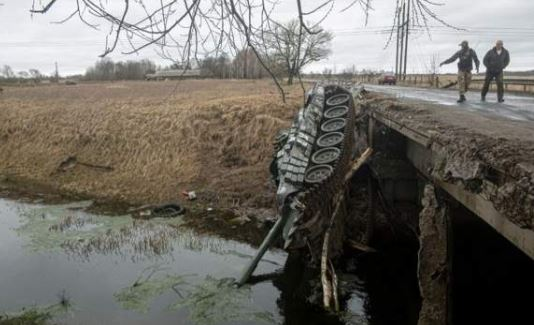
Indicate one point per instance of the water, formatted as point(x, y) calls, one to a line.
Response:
point(117, 270)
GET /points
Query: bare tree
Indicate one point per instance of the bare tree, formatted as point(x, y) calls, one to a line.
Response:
point(23, 74)
point(293, 49)
point(7, 71)
point(185, 30)
point(35, 74)
point(433, 70)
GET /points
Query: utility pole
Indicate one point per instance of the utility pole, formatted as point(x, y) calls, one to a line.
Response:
point(56, 74)
point(406, 42)
point(403, 31)
point(397, 68)
point(401, 51)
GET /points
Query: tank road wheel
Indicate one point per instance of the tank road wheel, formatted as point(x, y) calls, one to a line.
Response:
point(326, 155)
point(330, 139)
point(337, 99)
point(333, 125)
point(318, 173)
point(336, 111)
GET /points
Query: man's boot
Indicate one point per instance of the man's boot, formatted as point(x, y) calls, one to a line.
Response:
point(461, 100)
point(483, 98)
point(501, 100)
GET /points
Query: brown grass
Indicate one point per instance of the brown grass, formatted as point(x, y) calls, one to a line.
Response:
point(210, 136)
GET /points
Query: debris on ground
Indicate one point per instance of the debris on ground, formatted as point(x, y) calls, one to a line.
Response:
point(167, 210)
point(72, 162)
point(190, 195)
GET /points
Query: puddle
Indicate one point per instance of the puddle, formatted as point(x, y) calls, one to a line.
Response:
point(119, 270)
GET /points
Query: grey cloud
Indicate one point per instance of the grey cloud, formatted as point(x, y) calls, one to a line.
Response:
point(27, 42)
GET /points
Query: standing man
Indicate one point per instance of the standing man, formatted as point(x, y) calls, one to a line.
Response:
point(465, 66)
point(496, 60)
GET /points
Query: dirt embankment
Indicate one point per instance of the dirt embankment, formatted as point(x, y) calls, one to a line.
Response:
point(140, 142)
point(489, 155)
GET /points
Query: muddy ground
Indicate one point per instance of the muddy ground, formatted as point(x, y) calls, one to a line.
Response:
point(488, 154)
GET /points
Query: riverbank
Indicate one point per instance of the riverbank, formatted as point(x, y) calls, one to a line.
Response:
point(135, 143)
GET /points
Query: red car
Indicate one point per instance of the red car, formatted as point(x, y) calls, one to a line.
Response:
point(387, 79)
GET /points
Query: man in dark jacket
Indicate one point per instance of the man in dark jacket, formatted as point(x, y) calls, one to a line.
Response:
point(496, 60)
point(465, 66)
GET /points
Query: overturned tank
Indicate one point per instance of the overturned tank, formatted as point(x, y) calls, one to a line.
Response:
point(309, 166)
point(310, 163)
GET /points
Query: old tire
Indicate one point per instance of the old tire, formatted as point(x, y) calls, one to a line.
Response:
point(167, 210)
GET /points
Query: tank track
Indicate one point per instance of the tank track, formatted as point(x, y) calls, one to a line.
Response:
point(310, 170)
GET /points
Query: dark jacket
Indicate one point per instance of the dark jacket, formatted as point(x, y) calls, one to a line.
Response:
point(466, 59)
point(495, 62)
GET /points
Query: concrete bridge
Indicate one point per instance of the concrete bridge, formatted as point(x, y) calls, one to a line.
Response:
point(484, 143)
point(454, 159)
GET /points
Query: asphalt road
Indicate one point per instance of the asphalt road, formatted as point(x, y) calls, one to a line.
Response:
point(515, 107)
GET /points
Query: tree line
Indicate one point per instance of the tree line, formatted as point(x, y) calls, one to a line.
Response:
point(8, 75)
point(286, 49)
point(106, 69)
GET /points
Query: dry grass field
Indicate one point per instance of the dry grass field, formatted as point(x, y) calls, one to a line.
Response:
point(145, 142)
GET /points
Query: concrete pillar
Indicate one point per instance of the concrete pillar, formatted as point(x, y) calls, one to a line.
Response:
point(433, 265)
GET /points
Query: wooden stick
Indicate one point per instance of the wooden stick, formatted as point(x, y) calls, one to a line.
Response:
point(334, 286)
point(330, 287)
point(359, 163)
point(361, 247)
point(327, 287)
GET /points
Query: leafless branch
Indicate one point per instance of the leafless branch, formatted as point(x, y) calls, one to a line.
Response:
point(186, 31)
point(44, 9)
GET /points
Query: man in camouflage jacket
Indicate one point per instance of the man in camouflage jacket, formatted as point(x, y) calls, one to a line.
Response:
point(466, 58)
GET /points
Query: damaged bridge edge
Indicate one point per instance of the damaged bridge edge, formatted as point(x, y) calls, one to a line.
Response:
point(420, 154)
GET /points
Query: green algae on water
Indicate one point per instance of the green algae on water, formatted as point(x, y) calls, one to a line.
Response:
point(140, 295)
point(212, 301)
point(215, 301)
point(36, 315)
point(69, 228)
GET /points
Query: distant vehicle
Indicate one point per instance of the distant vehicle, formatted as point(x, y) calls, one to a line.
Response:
point(387, 79)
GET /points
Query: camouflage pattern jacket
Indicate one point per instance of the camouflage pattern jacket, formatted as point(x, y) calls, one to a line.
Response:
point(466, 59)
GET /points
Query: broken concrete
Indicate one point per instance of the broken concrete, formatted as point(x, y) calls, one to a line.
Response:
point(485, 155)
point(433, 270)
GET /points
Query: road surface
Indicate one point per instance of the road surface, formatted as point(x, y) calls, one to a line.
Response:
point(515, 107)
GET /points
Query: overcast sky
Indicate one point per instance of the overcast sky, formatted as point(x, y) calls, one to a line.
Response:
point(34, 42)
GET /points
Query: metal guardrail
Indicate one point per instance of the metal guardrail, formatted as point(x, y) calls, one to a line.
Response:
point(511, 81)
point(519, 84)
